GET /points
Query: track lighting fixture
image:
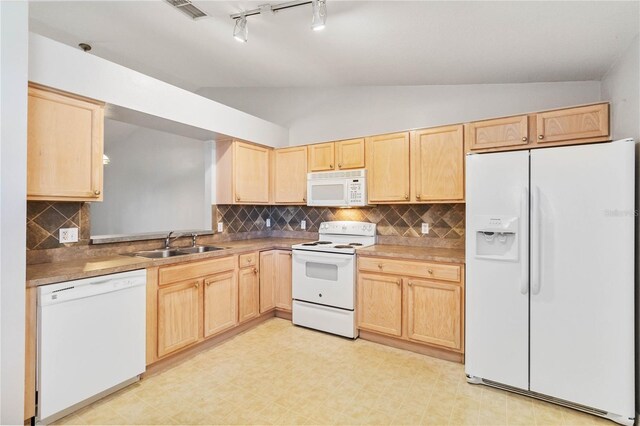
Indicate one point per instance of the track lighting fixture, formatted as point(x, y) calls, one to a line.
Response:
point(241, 31)
point(318, 20)
point(319, 14)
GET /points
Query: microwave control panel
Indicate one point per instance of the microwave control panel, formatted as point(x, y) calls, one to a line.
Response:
point(356, 192)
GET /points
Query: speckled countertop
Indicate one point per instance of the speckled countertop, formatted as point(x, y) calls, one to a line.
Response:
point(434, 254)
point(54, 272)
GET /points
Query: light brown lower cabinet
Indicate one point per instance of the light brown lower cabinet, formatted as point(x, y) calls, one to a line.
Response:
point(248, 294)
point(275, 280)
point(419, 302)
point(178, 316)
point(220, 303)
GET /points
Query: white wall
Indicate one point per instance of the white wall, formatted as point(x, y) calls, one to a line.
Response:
point(156, 181)
point(317, 114)
point(621, 86)
point(13, 160)
point(66, 68)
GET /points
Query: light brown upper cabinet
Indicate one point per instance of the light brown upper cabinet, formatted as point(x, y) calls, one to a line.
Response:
point(321, 157)
point(569, 124)
point(65, 136)
point(242, 173)
point(350, 154)
point(290, 175)
point(388, 168)
point(438, 164)
point(341, 155)
point(499, 132)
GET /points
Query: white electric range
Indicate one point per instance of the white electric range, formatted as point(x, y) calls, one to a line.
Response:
point(324, 277)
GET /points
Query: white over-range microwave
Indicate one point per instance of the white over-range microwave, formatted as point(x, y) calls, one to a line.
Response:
point(345, 188)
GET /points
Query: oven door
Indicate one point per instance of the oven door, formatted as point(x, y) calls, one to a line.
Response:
point(327, 192)
point(324, 278)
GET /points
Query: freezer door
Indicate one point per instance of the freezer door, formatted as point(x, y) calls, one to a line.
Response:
point(497, 299)
point(582, 272)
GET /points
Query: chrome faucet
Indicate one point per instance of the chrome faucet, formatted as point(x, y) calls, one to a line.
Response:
point(168, 239)
point(193, 239)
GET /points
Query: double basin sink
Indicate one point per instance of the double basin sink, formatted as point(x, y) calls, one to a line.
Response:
point(163, 253)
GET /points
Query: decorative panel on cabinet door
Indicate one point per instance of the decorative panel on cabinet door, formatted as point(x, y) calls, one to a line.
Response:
point(267, 280)
point(64, 147)
point(248, 294)
point(350, 154)
point(251, 173)
point(290, 175)
point(379, 301)
point(283, 280)
point(591, 121)
point(434, 313)
point(388, 167)
point(321, 157)
point(178, 316)
point(220, 303)
point(438, 164)
point(499, 132)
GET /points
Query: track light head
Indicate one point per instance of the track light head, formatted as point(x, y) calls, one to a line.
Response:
point(241, 31)
point(319, 19)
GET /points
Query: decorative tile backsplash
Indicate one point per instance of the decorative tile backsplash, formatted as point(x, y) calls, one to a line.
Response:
point(45, 218)
point(446, 221)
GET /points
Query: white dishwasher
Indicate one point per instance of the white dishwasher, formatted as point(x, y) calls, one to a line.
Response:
point(91, 340)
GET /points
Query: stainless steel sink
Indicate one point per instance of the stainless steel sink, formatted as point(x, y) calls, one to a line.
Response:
point(199, 249)
point(159, 254)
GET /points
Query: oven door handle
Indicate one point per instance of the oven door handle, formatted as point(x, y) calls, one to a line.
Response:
point(332, 258)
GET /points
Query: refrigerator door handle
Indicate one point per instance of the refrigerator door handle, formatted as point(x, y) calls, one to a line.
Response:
point(524, 277)
point(535, 246)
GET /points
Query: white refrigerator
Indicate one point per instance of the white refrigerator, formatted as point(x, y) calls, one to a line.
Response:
point(550, 275)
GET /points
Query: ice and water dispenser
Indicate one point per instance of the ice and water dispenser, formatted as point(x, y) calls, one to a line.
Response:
point(497, 237)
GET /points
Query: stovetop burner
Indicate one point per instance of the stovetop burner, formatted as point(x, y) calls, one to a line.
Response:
point(341, 246)
point(309, 244)
point(323, 242)
point(355, 244)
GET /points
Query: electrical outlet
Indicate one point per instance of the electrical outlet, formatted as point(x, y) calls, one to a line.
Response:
point(303, 224)
point(220, 227)
point(268, 223)
point(68, 235)
point(425, 228)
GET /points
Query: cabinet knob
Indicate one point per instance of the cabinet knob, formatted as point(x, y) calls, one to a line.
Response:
point(430, 271)
point(196, 285)
point(304, 199)
point(289, 254)
point(380, 265)
point(96, 192)
point(339, 165)
point(409, 283)
point(417, 196)
point(399, 281)
point(540, 137)
point(255, 271)
point(237, 198)
point(524, 139)
point(331, 166)
point(406, 196)
point(208, 283)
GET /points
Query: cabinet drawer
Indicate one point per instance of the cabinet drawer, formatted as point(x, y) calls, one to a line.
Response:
point(436, 271)
point(249, 259)
point(185, 271)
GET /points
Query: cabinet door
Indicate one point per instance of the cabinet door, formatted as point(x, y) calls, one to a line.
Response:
point(283, 280)
point(388, 167)
point(438, 164)
point(220, 303)
point(568, 124)
point(497, 133)
point(251, 173)
point(434, 313)
point(290, 175)
point(178, 316)
point(64, 147)
point(321, 157)
point(267, 280)
point(380, 303)
point(248, 294)
point(350, 154)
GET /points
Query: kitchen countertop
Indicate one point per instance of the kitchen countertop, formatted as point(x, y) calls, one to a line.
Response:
point(54, 272)
point(434, 254)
